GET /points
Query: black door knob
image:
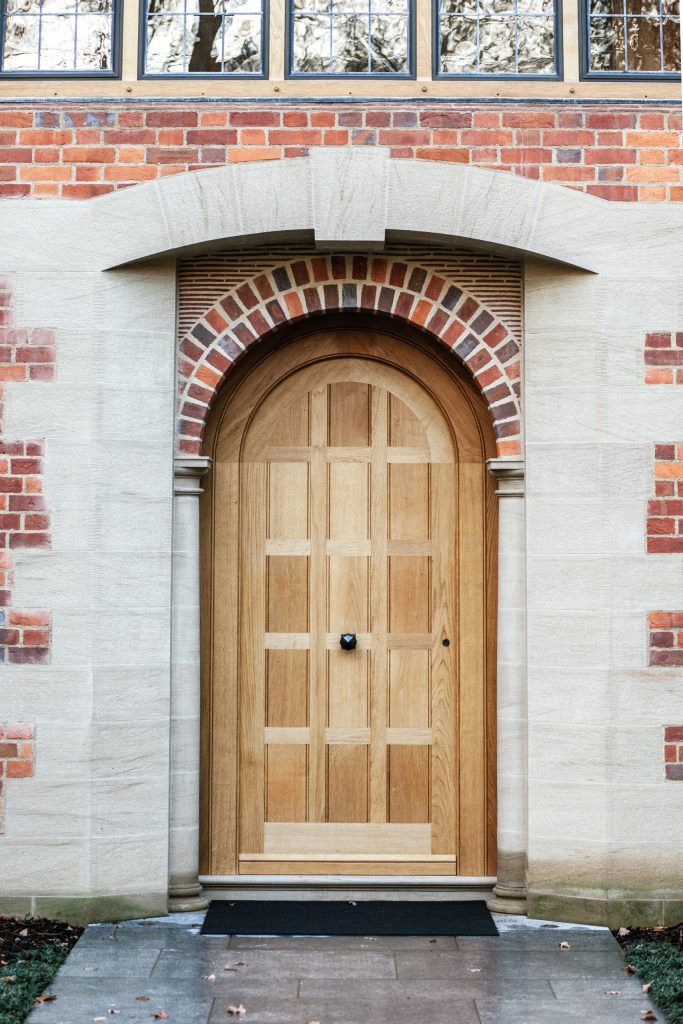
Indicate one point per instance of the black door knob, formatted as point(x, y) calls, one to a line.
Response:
point(348, 641)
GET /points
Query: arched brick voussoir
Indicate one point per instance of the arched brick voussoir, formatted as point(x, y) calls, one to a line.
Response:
point(308, 287)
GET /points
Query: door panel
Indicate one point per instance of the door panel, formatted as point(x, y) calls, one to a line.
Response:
point(350, 519)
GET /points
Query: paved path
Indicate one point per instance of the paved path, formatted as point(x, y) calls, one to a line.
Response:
point(521, 977)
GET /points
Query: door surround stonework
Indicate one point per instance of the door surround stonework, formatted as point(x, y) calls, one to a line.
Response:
point(414, 203)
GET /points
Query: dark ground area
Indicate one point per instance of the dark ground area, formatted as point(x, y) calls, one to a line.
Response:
point(673, 935)
point(22, 935)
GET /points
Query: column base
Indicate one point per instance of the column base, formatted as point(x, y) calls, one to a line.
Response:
point(508, 899)
point(186, 899)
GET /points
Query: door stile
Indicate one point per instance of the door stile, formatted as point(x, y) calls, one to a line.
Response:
point(444, 660)
point(252, 654)
point(318, 607)
point(379, 610)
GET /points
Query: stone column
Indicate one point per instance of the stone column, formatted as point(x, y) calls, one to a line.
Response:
point(184, 889)
point(510, 890)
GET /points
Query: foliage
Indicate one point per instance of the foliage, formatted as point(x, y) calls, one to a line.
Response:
point(25, 978)
point(662, 965)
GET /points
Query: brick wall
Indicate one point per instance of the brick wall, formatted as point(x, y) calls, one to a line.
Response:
point(307, 287)
point(25, 355)
point(665, 510)
point(664, 357)
point(673, 752)
point(629, 153)
point(17, 758)
point(665, 638)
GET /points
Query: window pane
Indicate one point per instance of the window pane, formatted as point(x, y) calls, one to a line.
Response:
point(644, 45)
point(58, 35)
point(350, 37)
point(20, 45)
point(535, 46)
point(206, 37)
point(607, 44)
point(459, 46)
point(497, 37)
point(671, 31)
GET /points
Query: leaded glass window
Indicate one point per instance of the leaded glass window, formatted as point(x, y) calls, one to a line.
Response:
point(350, 37)
point(497, 37)
point(204, 37)
point(57, 36)
point(634, 36)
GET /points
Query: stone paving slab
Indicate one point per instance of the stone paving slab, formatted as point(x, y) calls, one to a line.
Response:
point(349, 1011)
point(377, 944)
point(280, 964)
point(520, 977)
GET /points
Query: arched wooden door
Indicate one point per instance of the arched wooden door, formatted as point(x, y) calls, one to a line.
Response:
point(348, 495)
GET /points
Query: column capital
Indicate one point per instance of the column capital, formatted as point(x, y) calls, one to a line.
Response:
point(509, 474)
point(188, 471)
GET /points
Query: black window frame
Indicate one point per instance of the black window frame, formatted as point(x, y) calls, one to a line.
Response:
point(112, 73)
point(487, 76)
point(323, 76)
point(205, 76)
point(585, 72)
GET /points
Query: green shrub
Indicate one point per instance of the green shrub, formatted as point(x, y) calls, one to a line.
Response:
point(662, 965)
point(25, 978)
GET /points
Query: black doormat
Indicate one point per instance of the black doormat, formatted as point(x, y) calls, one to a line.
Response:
point(364, 917)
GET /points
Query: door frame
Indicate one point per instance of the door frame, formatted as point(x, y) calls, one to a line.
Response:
point(219, 802)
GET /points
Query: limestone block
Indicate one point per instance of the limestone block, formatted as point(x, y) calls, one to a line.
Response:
point(131, 864)
point(146, 689)
point(349, 192)
point(563, 358)
point(140, 582)
point(129, 807)
point(49, 691)
point(130, 750)
point(55, 866)
point(126, 525)
point(568, 695)
point(573, 810)
point(560, 299)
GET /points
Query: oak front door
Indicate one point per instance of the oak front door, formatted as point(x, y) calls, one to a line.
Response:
point(342, 477)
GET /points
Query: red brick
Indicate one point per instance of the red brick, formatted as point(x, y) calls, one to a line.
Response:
point(673, 733)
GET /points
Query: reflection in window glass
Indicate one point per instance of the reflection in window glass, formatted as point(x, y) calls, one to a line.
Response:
point(57, 35)
point(214, 37)
point(637, 36)
point(497, 37)
point(347, 37)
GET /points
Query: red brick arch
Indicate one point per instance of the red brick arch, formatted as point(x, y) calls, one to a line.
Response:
point(307, 287)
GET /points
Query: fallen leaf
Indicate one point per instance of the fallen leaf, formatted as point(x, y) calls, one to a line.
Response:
point(648, 1015)
point(8, 977)
point(99, 1018)
point(45, 999)
point(234, 1010)
point(210, 977)
point(161, 1015)
point(353, 903)
point(630, 969)
point(648, 987)
point(240, 963)
point(432, 940)
point(233, 969)
point(565, 945)
point(24, 933)
point(614, 993)
point(142, 999)
point(623, 932)
point(474, 970)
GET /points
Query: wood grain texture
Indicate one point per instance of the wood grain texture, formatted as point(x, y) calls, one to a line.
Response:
point(367, 511)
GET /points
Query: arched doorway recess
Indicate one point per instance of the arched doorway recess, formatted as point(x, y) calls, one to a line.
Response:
point(349, 493)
